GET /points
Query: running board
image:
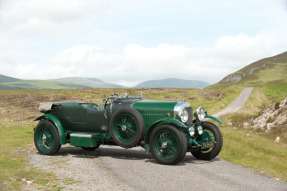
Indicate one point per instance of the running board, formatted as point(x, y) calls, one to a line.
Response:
point(83, 139)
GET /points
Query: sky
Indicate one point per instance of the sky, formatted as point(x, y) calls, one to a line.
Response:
point(131, 41)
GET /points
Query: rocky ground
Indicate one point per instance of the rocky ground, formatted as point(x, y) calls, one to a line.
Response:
point(273, 118)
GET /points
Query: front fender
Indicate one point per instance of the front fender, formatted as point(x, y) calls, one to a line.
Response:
point(58, 125)
point(214, 118)
point(170, 121)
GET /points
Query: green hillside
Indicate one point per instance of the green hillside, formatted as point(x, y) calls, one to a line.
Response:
point(39, 84)
point(5, 79)
point(10, 83)
point(90, 82)
point(7, 87)
point(268, 75)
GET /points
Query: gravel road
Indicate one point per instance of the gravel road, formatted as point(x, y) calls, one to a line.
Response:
point(115, 168)
point(237, 104)
point(77, 169)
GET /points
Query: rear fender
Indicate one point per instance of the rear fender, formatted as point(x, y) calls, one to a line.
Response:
point(58, 125)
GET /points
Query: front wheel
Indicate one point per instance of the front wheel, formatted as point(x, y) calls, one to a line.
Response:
point(46, 138)
point(212, 133)
point(168, 144)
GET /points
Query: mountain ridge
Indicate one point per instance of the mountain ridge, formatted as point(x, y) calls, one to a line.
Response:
point(173, 83)
point(90, 82)
point(253, 67)
point(10, 83)
point(6, 79)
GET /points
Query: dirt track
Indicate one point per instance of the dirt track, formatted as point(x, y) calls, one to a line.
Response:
point(236, 104)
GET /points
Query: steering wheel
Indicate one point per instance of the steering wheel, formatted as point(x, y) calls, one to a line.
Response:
point(108, 100)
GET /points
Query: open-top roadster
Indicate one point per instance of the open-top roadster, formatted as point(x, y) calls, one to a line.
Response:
point(166, 129)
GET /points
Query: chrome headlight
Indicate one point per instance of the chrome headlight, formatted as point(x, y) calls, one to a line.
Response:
point(183, 114)
point(191, 131)
point(181, 111)
point(199, 130)
point(200, 113)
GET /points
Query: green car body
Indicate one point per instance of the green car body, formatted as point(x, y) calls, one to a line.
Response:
point(166, 129)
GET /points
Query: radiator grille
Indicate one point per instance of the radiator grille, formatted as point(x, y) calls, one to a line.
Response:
point(190, 112)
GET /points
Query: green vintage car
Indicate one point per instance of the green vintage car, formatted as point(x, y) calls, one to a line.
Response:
point(166, 129)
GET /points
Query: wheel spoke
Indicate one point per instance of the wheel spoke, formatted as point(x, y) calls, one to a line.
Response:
point(125, 127)
point(166, 144)
point(45, 137)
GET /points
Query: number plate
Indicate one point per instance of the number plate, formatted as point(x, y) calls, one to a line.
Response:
point(206, 145)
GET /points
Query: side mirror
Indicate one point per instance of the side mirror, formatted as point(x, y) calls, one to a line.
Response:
point(104, 98)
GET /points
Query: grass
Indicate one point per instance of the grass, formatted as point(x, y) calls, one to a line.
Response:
point(276, 91)
point(247, 148)
point(251, 148)
point(254, 148)
point(16, 143)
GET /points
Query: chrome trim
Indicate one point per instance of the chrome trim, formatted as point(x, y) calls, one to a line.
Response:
point(197, 112)
point(82, 135)
point(179, 106)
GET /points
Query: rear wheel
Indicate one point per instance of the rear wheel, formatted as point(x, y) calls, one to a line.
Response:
point(168, 144)
point(46, 138)
point(211, 133)
point(127, 127)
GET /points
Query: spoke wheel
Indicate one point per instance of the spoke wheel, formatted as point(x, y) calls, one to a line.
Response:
point(46, 138)
point(168, 144)
point(127, 127)
point(208, 136)
point(210, 133)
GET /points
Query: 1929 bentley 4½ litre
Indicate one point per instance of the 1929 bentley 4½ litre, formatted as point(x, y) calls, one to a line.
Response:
point(166, 129)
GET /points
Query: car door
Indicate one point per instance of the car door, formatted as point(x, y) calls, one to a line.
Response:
point(95, 119)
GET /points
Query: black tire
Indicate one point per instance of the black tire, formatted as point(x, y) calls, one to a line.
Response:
point(168, 144)
point(90, 148)
point(46, 138)
point(127, 127)
point(216, 135)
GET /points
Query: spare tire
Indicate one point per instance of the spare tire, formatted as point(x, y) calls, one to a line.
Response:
point(127, 127)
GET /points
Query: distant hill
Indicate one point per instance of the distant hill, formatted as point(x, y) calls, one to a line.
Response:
point(39, 84)
point(5, 79)
point(263, 71)
point(7, 87)
point(10, 83)
point(268, 75)
point(173, 83)
point(90, 82)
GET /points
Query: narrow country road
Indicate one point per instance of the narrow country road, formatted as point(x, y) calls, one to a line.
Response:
point(115, 168)
point(237, 104)
point(140, 171)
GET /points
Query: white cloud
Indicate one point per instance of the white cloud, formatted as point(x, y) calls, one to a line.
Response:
point(163, 52)
point(46, 17)
point(137, 63)
point(132, 42)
